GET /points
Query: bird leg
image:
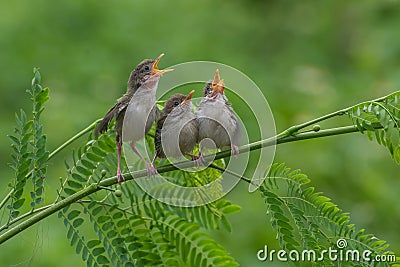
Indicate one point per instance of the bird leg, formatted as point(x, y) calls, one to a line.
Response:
point(151, 170)
point(198, 160)
point(153, 162)
point(120, 177)
point(192, 156)
point(235, 151)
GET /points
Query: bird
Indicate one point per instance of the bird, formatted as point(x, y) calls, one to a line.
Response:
point(207, 88)
point(177, 129)
point(135, 111)
point(216, 119)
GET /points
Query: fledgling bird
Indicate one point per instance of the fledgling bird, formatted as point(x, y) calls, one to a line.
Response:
point(138, 108)
point(216, 118)
point(177, 129)
point(207, 88)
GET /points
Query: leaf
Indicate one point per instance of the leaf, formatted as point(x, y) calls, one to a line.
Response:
point(74, 184)
point(78, 178)
point(88, 164)
point(84, 171)
point(94, 157)
point(14, 139)
point(102, 260)
point(231, 209)
point(382, 118)
point(93, 243)
point(98, 251)
point(306, 219)
point(77, 222)
point(73, 214)
point(18, 204)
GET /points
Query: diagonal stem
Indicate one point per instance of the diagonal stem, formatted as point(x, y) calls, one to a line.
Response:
point(290, 135)
point(73, 138)
point(167, 168)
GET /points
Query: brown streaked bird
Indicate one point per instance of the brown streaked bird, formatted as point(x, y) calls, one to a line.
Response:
point(207, 88)
point(135, 111)
point(216, 118)
point(177, 129)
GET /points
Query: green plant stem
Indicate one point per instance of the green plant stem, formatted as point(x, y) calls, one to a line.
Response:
point(24, 216)
point(166, 168)
point(6, 198)
point(41, 215)
point(289, 135)
point(279, 138)
point(294, 129)
point(322, 133)
point(222, 170)
point(73, 138)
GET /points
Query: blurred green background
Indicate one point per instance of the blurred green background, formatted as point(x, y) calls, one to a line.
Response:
point(309, 58)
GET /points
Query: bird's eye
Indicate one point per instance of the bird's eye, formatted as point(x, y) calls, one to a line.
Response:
point(146, 68)
point(176, 103)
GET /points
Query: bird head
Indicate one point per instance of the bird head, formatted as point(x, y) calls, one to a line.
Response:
point(178, 102)
point(146, 71)
point(217, 85)
point(207, 89)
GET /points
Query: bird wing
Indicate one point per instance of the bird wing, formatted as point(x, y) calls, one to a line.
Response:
point(157, 137)
point(115, 111)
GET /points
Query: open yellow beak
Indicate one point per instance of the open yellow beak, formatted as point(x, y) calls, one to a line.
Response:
point(188, 98)
point(155, 69)
point(216, 78)
point(218, 85)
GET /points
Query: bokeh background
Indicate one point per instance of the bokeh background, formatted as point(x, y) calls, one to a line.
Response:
point(309, 58)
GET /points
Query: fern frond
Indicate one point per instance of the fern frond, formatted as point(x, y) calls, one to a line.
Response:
point(384, 112)
point(195, 248)
point(115, 229)
point(21, 162)
point(138, 232)
point(91, 252)
point(153, 237)
point(86, 164)
point(305, 219)
point(29, 154)
point(211, 216)
point(90, 163)
point(39, 97)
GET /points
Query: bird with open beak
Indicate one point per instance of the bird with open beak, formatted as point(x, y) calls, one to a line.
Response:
point(136, 110)
point(216, 118)
point(177, 129)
